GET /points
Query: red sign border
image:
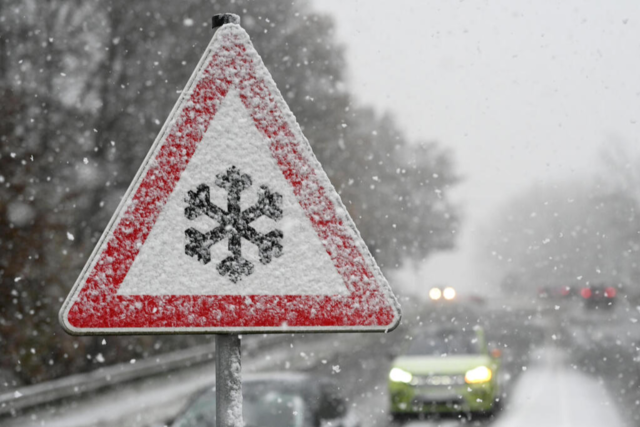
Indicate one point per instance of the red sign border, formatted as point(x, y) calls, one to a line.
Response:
point(94, 307)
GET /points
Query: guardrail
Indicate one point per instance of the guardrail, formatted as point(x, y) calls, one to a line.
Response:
point(74, 385)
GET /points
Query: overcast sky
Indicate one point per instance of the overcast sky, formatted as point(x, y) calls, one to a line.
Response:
point(522, 92)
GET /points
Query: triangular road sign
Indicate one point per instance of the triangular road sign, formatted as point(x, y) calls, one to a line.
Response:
point(230, 225)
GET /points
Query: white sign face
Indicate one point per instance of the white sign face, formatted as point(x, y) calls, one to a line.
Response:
point(303, 266)
point(231, 225)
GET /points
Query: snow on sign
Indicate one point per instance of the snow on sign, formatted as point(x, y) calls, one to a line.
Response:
point(230, 225)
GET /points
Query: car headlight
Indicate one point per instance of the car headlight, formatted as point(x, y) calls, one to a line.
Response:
point(400, 376)
point(481, 374)
point(449, 293)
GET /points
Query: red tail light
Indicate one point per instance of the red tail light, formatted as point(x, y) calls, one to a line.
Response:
point(610, 292)
point(586, 293)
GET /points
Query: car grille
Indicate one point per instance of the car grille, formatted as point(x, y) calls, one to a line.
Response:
point(437, 380)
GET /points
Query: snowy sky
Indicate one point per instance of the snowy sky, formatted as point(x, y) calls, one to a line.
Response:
point(522, 92)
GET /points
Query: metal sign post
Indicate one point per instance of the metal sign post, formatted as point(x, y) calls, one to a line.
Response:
point(228, 381)
point(228, 347)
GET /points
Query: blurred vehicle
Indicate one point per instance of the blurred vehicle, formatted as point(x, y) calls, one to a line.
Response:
point(279, 399)
point(599, 296)
point(445, 371)
point(567, 291)
point(447, 293)
point(543, 292)
point(556, 292)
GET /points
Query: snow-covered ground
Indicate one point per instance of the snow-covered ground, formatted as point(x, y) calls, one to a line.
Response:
point(551, 393)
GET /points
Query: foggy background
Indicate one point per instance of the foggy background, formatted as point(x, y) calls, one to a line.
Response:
point(525, 94)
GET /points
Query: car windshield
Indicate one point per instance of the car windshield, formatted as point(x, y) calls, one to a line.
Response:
point(444, 345)
point(259, 409)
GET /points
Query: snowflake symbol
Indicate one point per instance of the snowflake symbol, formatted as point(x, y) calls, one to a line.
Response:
point(233, 224)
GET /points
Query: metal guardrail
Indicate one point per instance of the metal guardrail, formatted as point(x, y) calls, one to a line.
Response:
point(75, 385)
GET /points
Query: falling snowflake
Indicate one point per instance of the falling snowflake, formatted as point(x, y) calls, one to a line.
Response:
point(234, 224)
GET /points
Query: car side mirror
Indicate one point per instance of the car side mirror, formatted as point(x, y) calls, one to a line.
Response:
point(496, 353)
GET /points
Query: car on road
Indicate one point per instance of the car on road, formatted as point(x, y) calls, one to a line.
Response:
point(279, 399)
point(445, 371)
point(599, 296)
point(556, 292)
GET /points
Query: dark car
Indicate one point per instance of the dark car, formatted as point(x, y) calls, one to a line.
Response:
point(599, 296)
point(276, 400)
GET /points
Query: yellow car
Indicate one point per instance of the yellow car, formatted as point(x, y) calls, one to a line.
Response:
point(445, 371)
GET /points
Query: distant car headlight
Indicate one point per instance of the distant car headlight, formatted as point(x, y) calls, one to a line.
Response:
point(435, 294)
point(481, 374)
point(449, 293)
point(400, 376)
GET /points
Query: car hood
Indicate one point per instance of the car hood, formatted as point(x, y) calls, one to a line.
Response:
point(425, 365)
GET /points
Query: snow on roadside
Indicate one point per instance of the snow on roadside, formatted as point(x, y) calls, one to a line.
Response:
point(551, 393)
